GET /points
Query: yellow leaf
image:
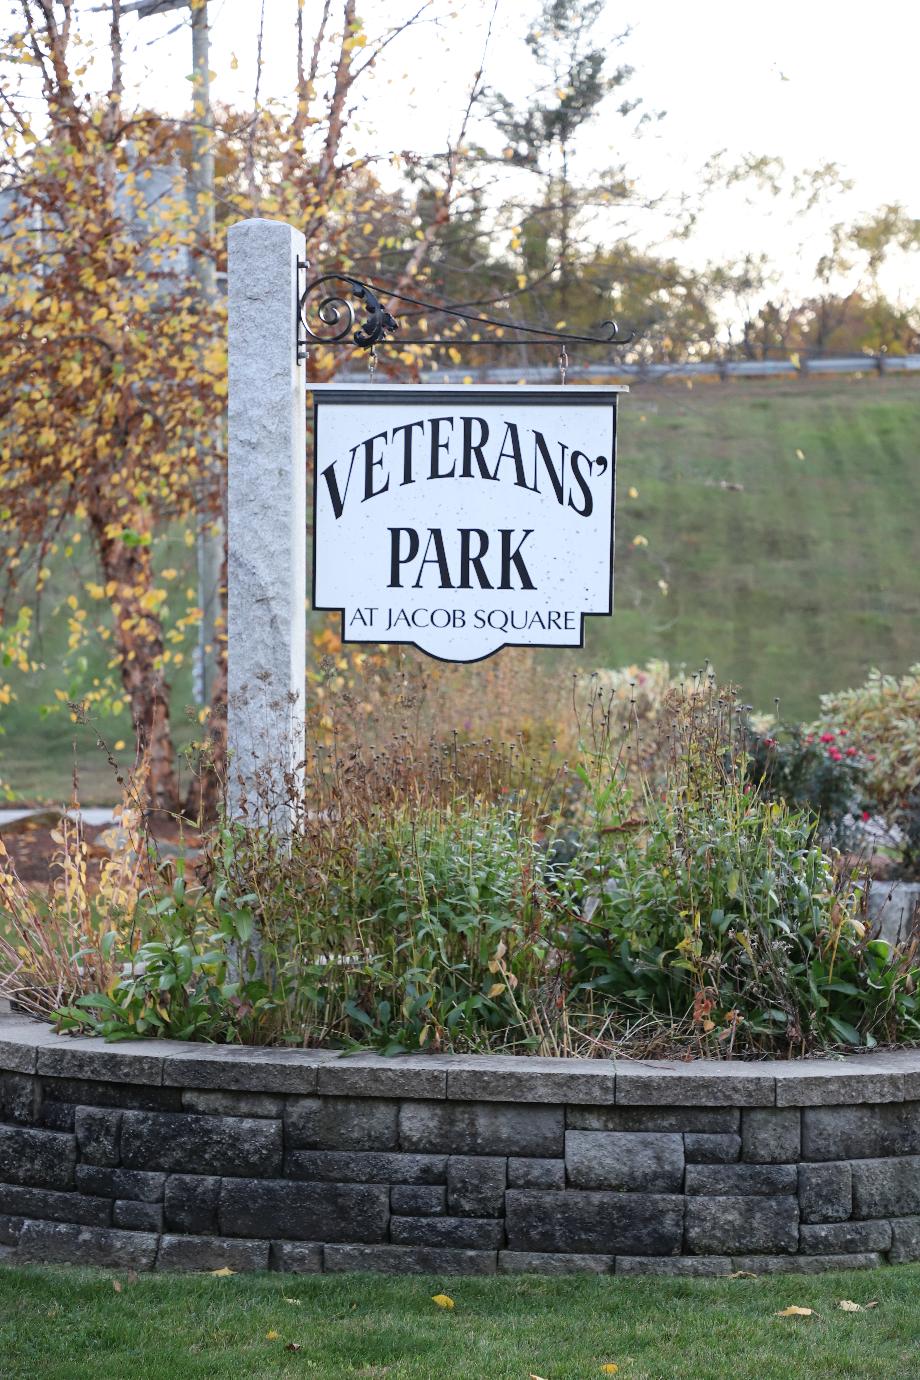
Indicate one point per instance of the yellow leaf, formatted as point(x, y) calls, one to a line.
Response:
point(793, 1311)
point(610, 1368)
point(443, 1300)
point(272, 1335)
point(223, 1272)
point(634, 492)
point(799, 454)
point(496, 989)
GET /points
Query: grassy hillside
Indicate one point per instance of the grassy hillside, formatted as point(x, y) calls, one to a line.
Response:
point(784, 519)
point(782, 522)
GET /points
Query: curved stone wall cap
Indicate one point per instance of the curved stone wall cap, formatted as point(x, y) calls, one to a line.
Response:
point(31, 1046)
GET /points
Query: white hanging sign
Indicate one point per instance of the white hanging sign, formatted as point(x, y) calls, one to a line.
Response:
point(464, 519)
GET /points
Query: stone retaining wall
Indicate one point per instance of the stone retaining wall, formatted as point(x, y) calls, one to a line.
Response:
point(182, 1156)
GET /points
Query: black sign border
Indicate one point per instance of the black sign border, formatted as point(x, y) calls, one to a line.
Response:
point(373, 394)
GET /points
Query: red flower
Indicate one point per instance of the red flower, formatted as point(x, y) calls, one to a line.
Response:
point(851, 752)
point(866, 816)
point(834, 755)
point(827, 737)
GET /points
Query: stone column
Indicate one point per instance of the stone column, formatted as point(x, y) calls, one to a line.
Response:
point(266, 520)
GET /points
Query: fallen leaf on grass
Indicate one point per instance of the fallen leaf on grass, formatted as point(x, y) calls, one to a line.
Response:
point(849, 1306)
point(272, 1335)
point(287, 1300)
point(443, 1300)
point(742, 1274)
point(116, 1285)
point(293, 1346)
point(610, 1368)
point(223, 1272)
point(531, 1376)
point(795, 1312)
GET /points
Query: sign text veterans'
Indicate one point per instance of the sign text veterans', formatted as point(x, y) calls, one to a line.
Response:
point(462, 519)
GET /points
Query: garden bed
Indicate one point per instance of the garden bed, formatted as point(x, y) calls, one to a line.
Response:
point(173, 1155)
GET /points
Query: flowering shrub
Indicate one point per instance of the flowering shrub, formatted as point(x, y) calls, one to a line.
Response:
point(820, 773)
point(880, 723)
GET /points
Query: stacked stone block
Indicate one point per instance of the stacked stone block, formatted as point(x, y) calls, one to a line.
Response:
point(165, 1156)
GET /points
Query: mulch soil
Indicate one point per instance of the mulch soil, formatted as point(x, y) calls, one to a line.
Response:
point(32, 848)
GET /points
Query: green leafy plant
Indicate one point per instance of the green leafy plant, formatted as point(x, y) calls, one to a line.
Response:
point(464, 896)
point(724, 912)
point(880, 721)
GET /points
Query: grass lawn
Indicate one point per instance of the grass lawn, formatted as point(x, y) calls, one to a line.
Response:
point(781, 515)
point(61, 1324)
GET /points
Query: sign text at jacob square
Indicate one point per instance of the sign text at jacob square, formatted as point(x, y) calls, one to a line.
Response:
point(463, 519)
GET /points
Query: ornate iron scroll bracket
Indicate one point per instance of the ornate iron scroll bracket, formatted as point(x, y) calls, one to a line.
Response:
point(336, 318)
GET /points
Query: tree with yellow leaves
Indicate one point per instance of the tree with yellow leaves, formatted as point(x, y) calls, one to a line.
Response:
point(112, 365)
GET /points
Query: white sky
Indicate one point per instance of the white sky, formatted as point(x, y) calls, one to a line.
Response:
point(809, 80)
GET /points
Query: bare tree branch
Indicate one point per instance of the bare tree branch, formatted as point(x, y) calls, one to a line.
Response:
point(336, 116)
point(390, 38)
point(443, 210)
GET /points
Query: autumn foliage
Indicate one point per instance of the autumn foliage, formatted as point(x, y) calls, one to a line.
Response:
point(112, 360)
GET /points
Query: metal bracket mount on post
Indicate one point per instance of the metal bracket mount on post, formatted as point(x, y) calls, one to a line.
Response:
point(337, 320)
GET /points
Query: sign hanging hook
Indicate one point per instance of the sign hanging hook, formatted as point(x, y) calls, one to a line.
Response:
point(563, 364)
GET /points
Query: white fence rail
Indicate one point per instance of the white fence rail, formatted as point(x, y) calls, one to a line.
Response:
point(725, 369)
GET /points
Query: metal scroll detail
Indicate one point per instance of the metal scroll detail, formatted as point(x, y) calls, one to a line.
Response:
point(337, 314)
point(337, 317)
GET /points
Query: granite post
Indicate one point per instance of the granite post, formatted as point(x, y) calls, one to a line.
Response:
point(267, 520)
